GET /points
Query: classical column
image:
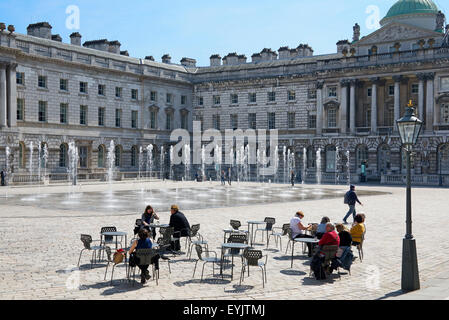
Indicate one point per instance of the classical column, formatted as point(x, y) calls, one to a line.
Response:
point(3, 98)
point(344, 105)
point(421, 78)
point(319, 107)
point(352, 106)
point(12, 95)
point(397, 100)
point(430, 104)
point(375, 82)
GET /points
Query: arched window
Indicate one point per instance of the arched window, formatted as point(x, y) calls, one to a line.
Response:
point(443, 159)
point(21, 155)
point(331, 156)
point(134, 156)
point(63, 156)
point(118, 156)
point(101, 152)
point(444, 113)
point(361, 155)
point(383, 159)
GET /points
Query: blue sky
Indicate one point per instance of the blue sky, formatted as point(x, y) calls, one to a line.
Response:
point(200, 28)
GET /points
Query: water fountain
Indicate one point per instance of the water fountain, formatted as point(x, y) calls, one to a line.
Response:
point(304, 165)
point(171, 162)
point(73, 162)
point(276, 164)
point(140, 162)
point(111, 161)
point(31, 162)
point(258, 165)
point(39, 162)
point(246, 163)
point(161, 167)
point(186, 162)
point(45, 161)
point(318, 166)
point(8, 153)
point(203, 163)
point(337, 162)
point(284, 154)
point(218, 161)
point(149, 167)
point(348, 165)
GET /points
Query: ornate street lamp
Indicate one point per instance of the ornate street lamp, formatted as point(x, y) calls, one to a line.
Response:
point(409, 129)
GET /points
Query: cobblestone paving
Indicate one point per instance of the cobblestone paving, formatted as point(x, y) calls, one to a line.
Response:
point(40, 250)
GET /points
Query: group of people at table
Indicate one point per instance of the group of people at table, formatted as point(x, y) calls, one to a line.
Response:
point(326, 232)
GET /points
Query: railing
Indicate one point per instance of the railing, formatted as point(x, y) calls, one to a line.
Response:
point(424, 180)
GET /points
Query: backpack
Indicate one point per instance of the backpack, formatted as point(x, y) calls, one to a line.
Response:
point(317, 267)
point(345, 261)
point(346, 200)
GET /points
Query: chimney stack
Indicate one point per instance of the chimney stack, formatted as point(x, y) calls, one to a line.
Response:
point(40, 30)
point(215, 60)
point(166, 59)
point(75, 39)
point(188, 62)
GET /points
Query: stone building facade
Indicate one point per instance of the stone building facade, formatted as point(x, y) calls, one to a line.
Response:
point(52, 93)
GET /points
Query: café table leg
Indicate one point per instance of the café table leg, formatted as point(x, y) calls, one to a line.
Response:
point(293, 248)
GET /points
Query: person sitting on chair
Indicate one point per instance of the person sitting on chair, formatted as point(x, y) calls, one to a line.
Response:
point(345, 238)
point(144, 242)
point(148, 218)
point(298, 229)
point(358, 229)
point(322, 227)
point(180, 224)
point(330, 238)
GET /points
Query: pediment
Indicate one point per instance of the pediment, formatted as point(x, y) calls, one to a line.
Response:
point(394, 32)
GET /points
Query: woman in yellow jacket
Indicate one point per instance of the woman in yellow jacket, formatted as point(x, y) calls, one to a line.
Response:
point(358, 229)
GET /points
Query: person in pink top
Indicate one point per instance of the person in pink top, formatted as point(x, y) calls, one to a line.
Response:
point(330, 238)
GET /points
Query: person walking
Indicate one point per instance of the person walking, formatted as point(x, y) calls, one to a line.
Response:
point(351, 199)
point(223, 178)
point(3, 175)
point(292, 178)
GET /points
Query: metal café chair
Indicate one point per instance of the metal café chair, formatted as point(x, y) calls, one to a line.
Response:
point(145, 256)
point(235, 238)
point(278, 235)
point(268, 227)
point(110, 260)
point(205, 260)
point(251, 258)
point(87, 241)
point(194, 232)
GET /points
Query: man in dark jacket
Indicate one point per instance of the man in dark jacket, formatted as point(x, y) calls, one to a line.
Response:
point(182, 227)
point(350, 199)
point(3, 176)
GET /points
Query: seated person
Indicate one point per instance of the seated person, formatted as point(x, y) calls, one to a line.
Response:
point(298, 229)
point(330, 238)
point(322, 227)
point(180, 224)
point(144, 242)
point(358, 229)
point(148, 218)
point(345, 238)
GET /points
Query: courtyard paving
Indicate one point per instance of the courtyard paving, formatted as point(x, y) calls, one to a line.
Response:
point(40, 249)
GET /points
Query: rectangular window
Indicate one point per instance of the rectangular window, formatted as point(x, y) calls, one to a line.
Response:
point(42, 111)
point(415, 88)
point(63, 84)
point(42, 81)
point(83, 115)
point(252, 97)
point(216, 100)
point(134, 118)
point(183, 100)
point(153, 117)
point(83, 87)
point(200, 101)
point(332, 118)
point(311, 94)
point(369, 92)
point(118, 118)
point(169, 98)
point(271, 96)
point(101, 89)
point(83, 156)
point(63, 110)
point(332, 92)
point(184, 120)
point(291, 95)
point(216, 121)
point(391, 90)
point(153, 96)
point(234, 121)
point(168, 121)
point(101, 114)
point(445, 83)
point(389, 116)
point(252, 124)
point(234, 98)
point(134, 94)
point(20, 109)
point(271, 120)
point(118, 92)
point(20, 78)
point(291, 120)
point(311, 121)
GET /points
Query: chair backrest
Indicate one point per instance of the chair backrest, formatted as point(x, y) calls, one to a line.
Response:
point(145, 256)
point(329, 252)
point(87, 240)
point(252, 256)
point(290, 233)
point(199, 251)
point(139, 222)
point(108, 229)
point(237, 238)
point(270, 222)
point(167, 233)
point(285, 228)
point(235, 224)
point(194, 230)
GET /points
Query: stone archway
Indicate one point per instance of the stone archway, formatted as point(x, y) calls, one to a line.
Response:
point(443, 158)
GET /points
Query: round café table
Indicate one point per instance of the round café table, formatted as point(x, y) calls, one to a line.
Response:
point(252, 224)
point(303, 240)
point(228, 245)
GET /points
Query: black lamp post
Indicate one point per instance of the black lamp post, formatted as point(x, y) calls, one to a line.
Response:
point(409, 130)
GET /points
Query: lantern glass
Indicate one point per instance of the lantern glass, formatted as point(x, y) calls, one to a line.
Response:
point(409, 127)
